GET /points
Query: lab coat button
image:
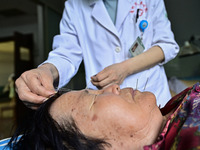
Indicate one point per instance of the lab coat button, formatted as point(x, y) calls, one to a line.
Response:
point(117, 49)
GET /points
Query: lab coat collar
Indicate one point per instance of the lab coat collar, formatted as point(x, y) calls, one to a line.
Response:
point(124, 7)
point(100, 13)
point(92, 2)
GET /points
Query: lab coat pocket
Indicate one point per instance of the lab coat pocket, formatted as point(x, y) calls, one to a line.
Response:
point(148, 36)
point(132, 27)
point(135, 23)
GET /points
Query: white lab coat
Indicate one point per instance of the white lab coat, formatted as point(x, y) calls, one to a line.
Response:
point(87, 33)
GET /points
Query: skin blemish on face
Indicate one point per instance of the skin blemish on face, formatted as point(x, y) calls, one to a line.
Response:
point(94, 118)
point(72, 109)
point(118, 128)
point(131, 135)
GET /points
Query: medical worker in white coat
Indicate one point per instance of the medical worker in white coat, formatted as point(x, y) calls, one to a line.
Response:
point(102, 34)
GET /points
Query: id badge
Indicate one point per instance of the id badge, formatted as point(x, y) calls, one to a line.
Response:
point(137, 47)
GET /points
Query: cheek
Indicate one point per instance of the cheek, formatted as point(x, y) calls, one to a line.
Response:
point(79, 115)
point(146, 100)
point(113, 117)
point(112, 109)
point(113, 125)
point(150, 101)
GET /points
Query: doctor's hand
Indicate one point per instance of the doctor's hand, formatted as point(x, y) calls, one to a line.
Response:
point(36, 85)
point(115, 73)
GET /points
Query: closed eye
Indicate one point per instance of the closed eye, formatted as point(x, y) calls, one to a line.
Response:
point(92, 91)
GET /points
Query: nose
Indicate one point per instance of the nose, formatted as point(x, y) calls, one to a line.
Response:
point(112, 88)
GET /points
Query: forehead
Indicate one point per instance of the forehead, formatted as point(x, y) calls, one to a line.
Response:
point(65, 102)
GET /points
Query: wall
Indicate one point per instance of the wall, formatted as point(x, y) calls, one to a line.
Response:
point(43, 26)
point(24, 29)
point(56, 5)
point(184, 17)
point(51, 23)
point(6, 61)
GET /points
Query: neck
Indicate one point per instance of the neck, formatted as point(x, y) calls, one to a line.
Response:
point(165, 119)
point(156, 125)
point(146, 136)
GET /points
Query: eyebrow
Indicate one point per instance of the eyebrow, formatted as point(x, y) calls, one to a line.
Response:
point(86, 91)
point(63, 90)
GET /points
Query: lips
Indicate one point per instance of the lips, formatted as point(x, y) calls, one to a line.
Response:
point(132, 92)
point(128, 94)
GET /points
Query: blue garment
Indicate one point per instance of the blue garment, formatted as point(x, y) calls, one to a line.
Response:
point(111, 6)
point(4, 142)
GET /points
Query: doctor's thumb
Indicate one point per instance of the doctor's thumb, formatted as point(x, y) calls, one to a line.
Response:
point(94, 77)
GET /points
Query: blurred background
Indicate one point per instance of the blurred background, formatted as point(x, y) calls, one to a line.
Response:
point(27, 28)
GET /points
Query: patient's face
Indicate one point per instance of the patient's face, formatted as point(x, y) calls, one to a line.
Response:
point(122, 116)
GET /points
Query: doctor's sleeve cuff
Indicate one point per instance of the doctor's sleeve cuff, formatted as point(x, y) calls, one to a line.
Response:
point(65, 71)
point(170, 51)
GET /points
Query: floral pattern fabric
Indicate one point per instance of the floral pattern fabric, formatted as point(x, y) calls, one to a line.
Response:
point(182, 130)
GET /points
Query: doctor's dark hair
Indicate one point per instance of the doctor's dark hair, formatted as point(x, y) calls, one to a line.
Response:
point(41, 132)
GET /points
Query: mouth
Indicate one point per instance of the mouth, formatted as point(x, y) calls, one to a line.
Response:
point(132, 92)
point(128, 94)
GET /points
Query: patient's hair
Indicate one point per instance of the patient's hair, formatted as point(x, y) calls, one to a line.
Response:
point(42, 132)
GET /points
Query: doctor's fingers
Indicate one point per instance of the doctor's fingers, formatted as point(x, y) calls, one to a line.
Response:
point(25, 94)
point(105, 82)
point(39, 85)
point(99, 77)
point(103, 78)
point(112, 70)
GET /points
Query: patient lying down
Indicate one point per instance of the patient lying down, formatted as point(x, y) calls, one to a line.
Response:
point(110, 119)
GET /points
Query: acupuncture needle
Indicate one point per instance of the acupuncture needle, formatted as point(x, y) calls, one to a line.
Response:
point(145, 84)
point(87, 85)
point(92, 102)
point(136, 84)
